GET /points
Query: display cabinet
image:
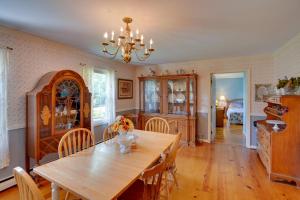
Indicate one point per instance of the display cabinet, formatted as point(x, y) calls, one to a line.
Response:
point(59, 102)
point(278, 146)
point(173, 97)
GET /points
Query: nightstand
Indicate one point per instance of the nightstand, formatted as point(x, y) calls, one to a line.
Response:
point(220, 116)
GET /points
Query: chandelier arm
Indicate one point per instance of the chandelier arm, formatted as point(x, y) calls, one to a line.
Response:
point(139, 49)
point(113, 54)
point(143, 58)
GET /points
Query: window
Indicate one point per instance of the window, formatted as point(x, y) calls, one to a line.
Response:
point(100, 97)
point(103, 84)
point(4, 150)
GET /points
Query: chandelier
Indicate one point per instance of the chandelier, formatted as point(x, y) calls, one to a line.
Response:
point(128, 43)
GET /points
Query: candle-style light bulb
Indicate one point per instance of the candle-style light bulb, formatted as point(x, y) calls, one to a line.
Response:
point(142, 39)
point(131, 34)
point(105, 35)
point(137, 32)
point(112, 35)
point(151, 42)
point(121, 30)
point(119, 41)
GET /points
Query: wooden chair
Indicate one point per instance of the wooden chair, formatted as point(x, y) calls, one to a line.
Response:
point(108, 133)
point(28, 190)
point(74, 141)
point(170, 163)
point(157, 124)
point(148, 187)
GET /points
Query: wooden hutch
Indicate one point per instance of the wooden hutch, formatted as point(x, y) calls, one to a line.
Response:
point(59, 102)
point(172, 97)
point(279, 150)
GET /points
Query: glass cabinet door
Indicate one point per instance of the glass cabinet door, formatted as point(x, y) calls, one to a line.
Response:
point(67, 105)
point(192, 97)
point(152, 96)
point(177, 96)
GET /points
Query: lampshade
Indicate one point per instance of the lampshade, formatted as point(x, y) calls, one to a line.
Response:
point(222, 98)
point(222, 101)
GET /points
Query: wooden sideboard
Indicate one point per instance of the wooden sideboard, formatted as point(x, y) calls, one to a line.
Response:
point(279, 150)
point(59, 102)
point(174, 98)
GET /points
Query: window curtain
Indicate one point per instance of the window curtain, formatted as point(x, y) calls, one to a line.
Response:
point(87, 73)
point(111, 97)
point(4, 150)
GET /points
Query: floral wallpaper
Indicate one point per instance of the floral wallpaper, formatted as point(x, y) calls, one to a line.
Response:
point(33, 56)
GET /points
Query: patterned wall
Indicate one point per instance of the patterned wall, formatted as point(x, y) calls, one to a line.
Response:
point(261, 69)
point(32, 57)
point(287, 59)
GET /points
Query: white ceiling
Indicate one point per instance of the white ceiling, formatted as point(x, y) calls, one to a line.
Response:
point(181, 29)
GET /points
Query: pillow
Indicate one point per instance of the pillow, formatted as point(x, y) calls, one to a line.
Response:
point(236, 104)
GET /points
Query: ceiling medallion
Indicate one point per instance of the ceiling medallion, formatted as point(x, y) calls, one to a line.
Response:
point(128, 43)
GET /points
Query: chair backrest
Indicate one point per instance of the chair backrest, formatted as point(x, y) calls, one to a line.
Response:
point(108, 133)
point(173, 151)
point(75, 140)
point(28, 190)
point(153, 177)
point(157, 124)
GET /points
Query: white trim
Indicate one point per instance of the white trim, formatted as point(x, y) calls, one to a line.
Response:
point(248, 110)
point(253, 147)
point(16, 126)
point(7, 184)
point(203, 140)
point(247, 77)
point(125, 109)
point(258, 114)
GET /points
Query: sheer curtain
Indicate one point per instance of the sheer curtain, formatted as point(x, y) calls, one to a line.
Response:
point(4, 151)
point(87, 73)
point(110, 102)
point(111, 99)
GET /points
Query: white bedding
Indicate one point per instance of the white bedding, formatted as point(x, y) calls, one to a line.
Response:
point(233, 110)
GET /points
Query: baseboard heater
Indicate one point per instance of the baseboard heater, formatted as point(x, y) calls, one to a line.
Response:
point(7, 183)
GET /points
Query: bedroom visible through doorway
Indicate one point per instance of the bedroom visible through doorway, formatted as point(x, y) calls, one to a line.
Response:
point(228, 95)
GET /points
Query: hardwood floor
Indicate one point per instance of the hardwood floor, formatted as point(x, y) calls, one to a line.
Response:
point(221, 171)
point(226, 170)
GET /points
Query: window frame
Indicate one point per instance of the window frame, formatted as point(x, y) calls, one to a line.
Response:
point(98, 121)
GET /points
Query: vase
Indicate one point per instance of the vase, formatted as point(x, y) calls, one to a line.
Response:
point(124, 141)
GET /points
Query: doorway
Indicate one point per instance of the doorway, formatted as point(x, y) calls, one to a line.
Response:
point(229, 103)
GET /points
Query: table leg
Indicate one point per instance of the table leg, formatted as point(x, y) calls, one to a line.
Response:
point(55, 191)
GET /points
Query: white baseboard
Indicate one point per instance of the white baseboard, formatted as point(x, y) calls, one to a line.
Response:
point(7, 184)
point(253, 147)
point(203, 140)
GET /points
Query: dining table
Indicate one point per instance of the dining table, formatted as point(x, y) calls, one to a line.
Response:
point(102, 172)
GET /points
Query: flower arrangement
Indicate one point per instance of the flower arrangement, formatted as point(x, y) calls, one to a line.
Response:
point(122, 125)
point(292, 83)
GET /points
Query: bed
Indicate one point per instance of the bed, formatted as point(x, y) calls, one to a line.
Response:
point(234, 111)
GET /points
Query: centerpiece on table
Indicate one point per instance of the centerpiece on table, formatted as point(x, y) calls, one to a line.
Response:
point(123, 125)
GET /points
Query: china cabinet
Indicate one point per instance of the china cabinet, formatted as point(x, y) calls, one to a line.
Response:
point(59, 102)
point(173, 97)
point(278, 146)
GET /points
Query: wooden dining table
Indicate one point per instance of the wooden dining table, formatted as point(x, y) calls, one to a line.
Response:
point(102, 172)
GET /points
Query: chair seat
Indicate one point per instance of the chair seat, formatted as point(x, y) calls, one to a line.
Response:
point(135, 191)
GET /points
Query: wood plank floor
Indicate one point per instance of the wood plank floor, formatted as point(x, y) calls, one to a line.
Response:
point(221, 171)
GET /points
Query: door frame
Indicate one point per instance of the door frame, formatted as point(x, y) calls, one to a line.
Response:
point(247, 114)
